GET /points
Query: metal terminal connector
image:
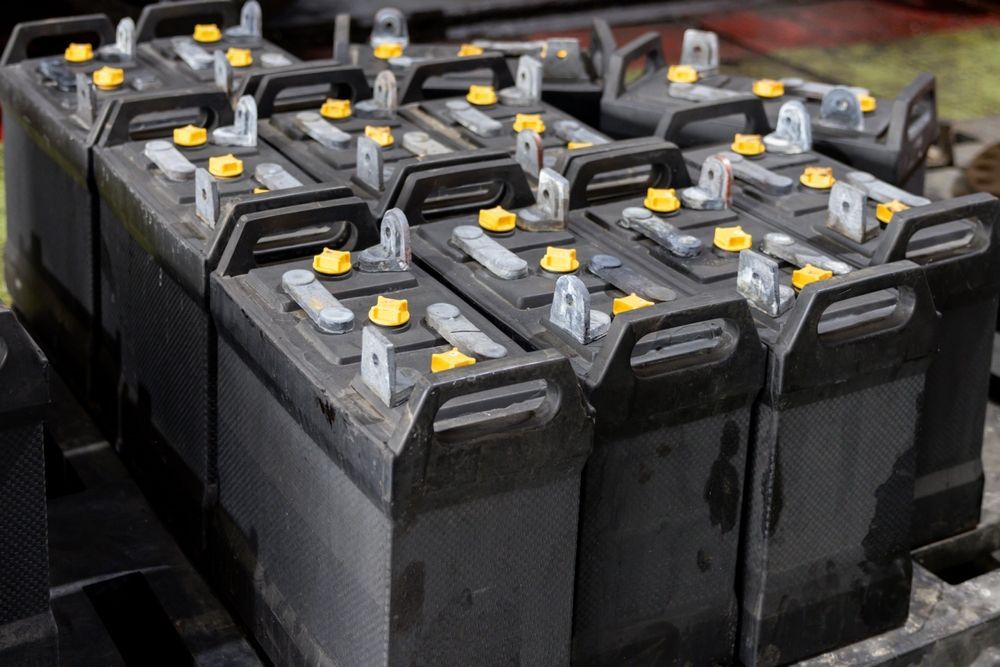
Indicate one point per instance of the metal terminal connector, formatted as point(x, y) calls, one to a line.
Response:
point(660, 231)
point(793, 133)
point(884, 192)
point(123, 50)
point(551, 204)
point(571, 311)
point(528, 152)
point(251, 26)
point(511, 48)
point(194, 56)
point(814, 90)
point(700, 49)
point(758, 280)
point(274, 59)
point(389, 27)
point(275, 177)
point(846, 213)
point(326, 312)
point(369, 166)
point(715, 186)
point(206, 197)
point(421, 144)
point(760, 177)
point(456, 328)
point(492, 256)
point(784, 247)
point(243, 132)
point(384, 100)
point(574, 131)
point(561, 59)
point(342, 39)
point(696, 92)
point(611, 270)
point(56, 71)
point(472, 119)
point(379, 376)
point(319, 130)
point(222, 73)
point(841, 108)
point(169, 160)
point(527, 88)
point(393, 253)
point(86, 99)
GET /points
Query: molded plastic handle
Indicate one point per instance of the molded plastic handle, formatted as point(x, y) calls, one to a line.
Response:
point(196, 10)
point(27, 33)
point(411, 89)
point(672, 123)
point(334, 75)
point(24, 376)
point(905, 121)
point(602, 45)
point(648, 45)
point(122, 111)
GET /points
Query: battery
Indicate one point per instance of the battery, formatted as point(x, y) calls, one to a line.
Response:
point(27, 628)
point(372, 421)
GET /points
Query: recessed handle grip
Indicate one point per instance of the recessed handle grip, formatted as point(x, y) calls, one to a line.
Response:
point(27, 33)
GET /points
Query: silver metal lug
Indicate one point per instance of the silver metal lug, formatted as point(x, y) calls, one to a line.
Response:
point(571, 311)
point(715, 186)
point(759, 281)
point(393, 253)
point(489, 254)
point(454, 327)
point(660, 231)
point(327, 313)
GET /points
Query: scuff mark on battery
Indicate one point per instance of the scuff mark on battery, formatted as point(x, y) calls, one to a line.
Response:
point(722, 490)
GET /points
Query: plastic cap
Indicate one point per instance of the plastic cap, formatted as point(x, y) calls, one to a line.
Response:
point(206, 33)
point(380, 134)
point(561, 53)
point(868, 103)
point(79, 53)
point(529, 121)
point(239, 57)
point(633, 301)
point(885, 210)
point(443, 361)
point(469, 50)
point(190, 136)
point(332, 262)
point(390, 312)
point(259, 190)
point(747, 144)
point(809, 274)
point(560, 260)
point(682, 74)
point(732, 239)
point(661, 200)
point(768, 88)
point(225, 166)
point(335, 109)
point(497, 219)
point(481, 95)
point(108, 78)
point(388, 50)
point(818, 178)
point(573, 145)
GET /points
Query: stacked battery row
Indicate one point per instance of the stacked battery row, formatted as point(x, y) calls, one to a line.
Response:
point(506, 353)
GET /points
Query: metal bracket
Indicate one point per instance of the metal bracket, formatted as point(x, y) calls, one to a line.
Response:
point(793, 132)
point(123, 50)
point(784, 247)
point(389, 27)
point(700, 50)
point(421, 144)
point(562, 59)
point(251, 25)
point(715, 186)
point(511, 48)
point(379, 374)
point(384, 100)
point(319, 130)
point(551, 204)
point(527, 88)
point(244, 131)
point(760, 177)
point(571, 311)
point(275, 177)
point(56, 71)
point(758, 280)
point(611, 270)
point(814, 90)
point(697, 92)
point(573, 130)
point(206, 197)
point(473, 120)
point(528, 152)
point(169, 160)
point(274, 59)
point(883, 192)
point(841, 108)
point(660, 231)
point(456, 328)
point(492, 256)
point(846, 213)
point(193, 55)
point(326, 312)
point(222, 73)
point(342, 39)
point(393, 253)
point(86, 99)
point(369, 165)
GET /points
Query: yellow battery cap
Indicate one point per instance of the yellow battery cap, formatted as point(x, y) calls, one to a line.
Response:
point(190, 136)
point(682, 74)
point(885, 210)
point(868, 103)
point(388, 50)
point(260, 190)
point(497, 219)
point(809, 274)
point(732, 239)
point(108, 78)
point(390, 312)
point(573, 145)
point(768, 88)
point(206, 33)
point(560, 260)
point(444, 361)
point(481, 95)
point(332, 262)
point(335, 109)
point(79, 53)
point(239, 57)
point(661, 200)
point(747, 144)
point(633, 301)
point(817, 178)
point(469, 50)
point(529, 121)
point(380, 134)
point(225, 166)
